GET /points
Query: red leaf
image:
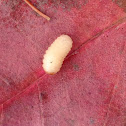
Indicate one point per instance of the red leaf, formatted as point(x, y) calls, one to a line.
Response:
point(89, 89)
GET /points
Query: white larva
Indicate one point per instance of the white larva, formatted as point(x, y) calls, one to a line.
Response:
point(56, 53)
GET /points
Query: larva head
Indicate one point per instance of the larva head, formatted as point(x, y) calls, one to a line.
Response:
point(51, 64)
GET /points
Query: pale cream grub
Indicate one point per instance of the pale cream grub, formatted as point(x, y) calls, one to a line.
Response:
point(56, 53)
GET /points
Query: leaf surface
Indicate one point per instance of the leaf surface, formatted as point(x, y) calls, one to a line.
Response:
point(89, 89)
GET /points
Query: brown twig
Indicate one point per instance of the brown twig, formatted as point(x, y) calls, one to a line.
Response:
point(37, 11)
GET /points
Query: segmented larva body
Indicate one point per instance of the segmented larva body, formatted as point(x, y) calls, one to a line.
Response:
point(56, 53)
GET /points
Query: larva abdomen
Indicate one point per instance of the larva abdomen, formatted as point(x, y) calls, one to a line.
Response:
point(56, 53)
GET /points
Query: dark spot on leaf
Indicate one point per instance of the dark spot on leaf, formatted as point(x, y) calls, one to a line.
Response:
point(92, 121)
point(76, 67)
point(70, 122)
point(44, 95)
point(89, 93)
point(15, 9)
point(12, 3)
point(121, 3)
point(124, 124)
point(64, 4)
